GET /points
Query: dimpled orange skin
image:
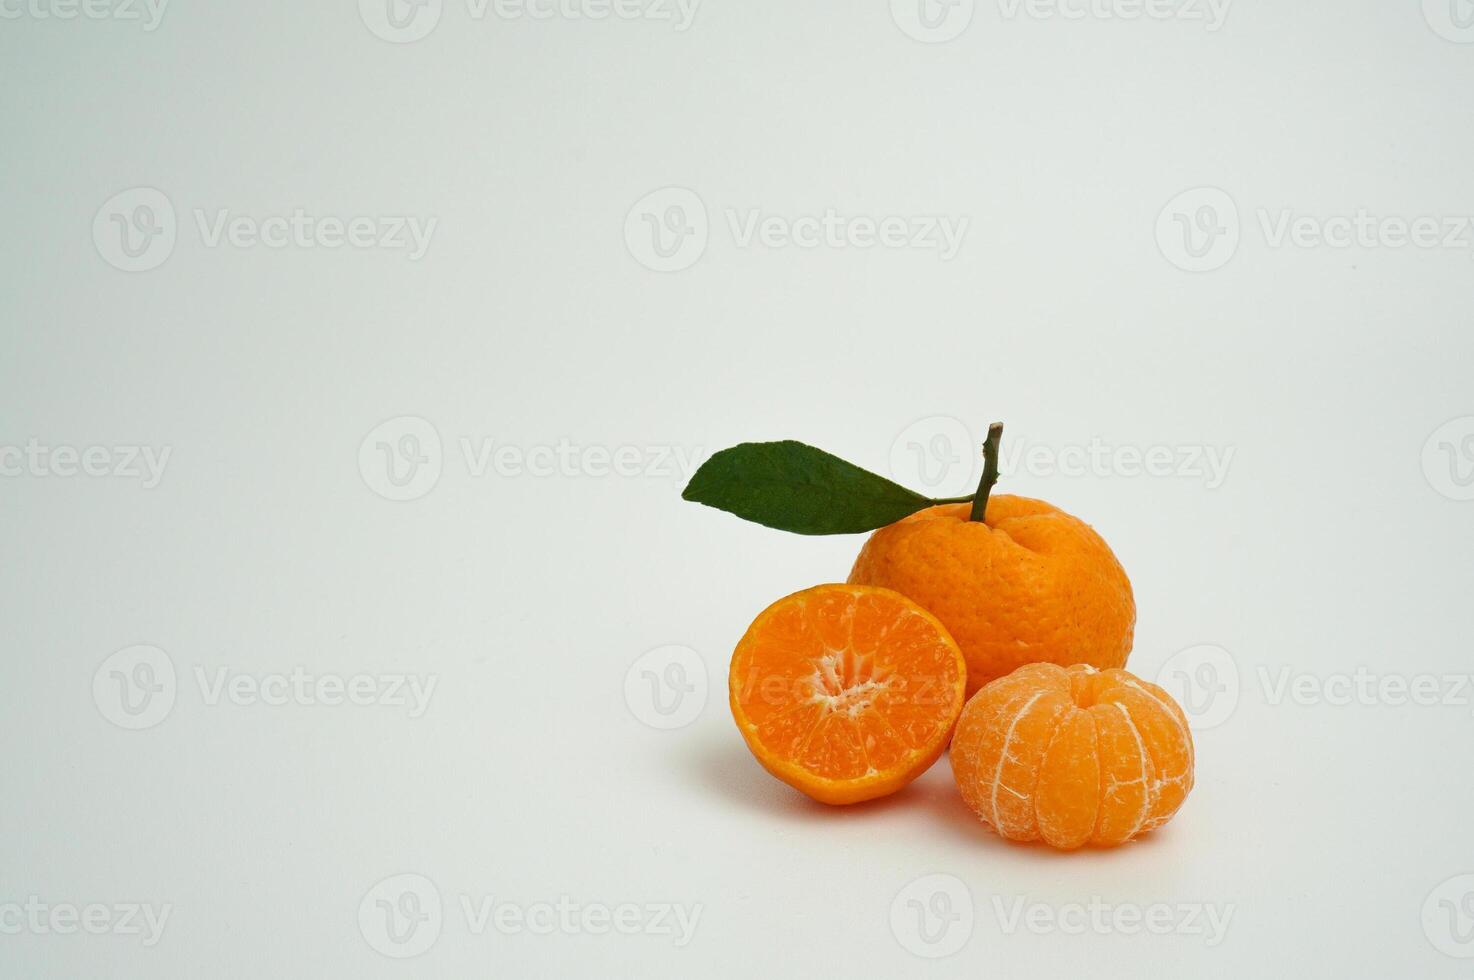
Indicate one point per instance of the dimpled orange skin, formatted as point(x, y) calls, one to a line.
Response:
point(1072, 756)
point(1030, 584)
point(845, 692)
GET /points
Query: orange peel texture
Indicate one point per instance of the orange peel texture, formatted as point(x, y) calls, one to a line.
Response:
point(1029, 584)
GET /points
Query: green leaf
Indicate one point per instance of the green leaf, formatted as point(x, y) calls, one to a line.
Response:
point(793, 487)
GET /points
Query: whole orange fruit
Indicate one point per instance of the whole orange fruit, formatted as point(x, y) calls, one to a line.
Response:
point(1029, 583)
point(1072, 756)
point(846, 692)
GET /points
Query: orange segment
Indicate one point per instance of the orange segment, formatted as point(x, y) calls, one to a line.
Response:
point(1065, 800)
point(1125, 775)
point(1072, 756)
point(1164, 731)
point(1006, 735)
point(846, 692)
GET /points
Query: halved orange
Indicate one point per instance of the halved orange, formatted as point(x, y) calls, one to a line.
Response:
point(846, 692)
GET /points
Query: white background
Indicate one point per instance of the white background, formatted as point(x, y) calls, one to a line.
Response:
point(1336, 540)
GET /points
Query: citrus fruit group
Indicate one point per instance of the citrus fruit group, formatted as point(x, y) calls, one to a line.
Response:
point(1072, 756)
point(846, 692)
point(1029, 583)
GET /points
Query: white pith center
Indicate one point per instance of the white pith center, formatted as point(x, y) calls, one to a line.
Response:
point(847, 682)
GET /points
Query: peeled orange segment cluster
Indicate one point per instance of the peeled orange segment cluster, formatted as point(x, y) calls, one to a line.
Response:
point(846, 692)
point(1072, 756)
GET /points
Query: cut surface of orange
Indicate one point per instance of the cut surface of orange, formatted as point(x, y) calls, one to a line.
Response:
point(1072, 756)
point(846, 692)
